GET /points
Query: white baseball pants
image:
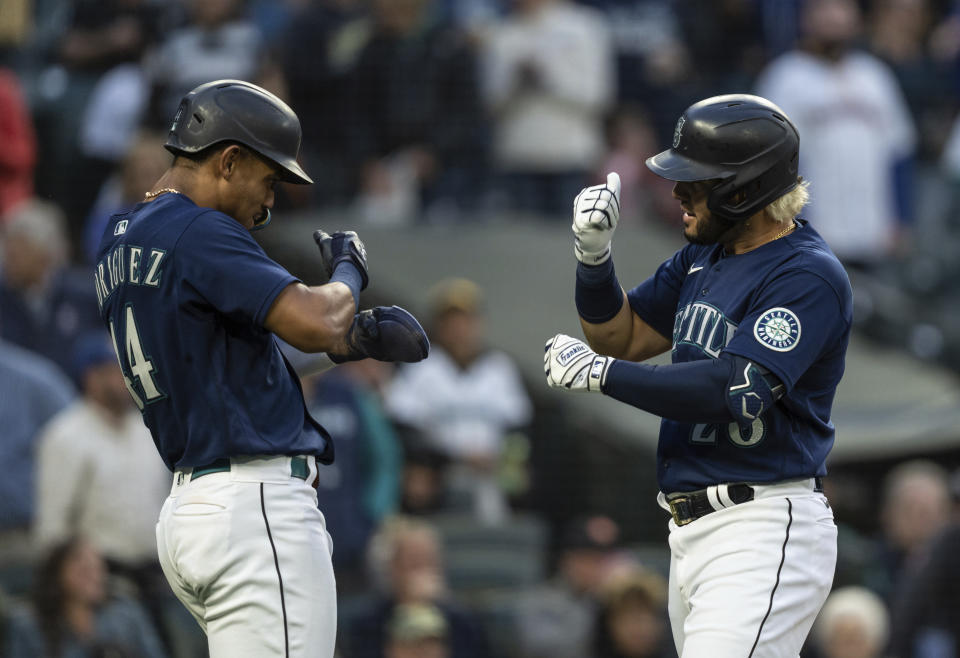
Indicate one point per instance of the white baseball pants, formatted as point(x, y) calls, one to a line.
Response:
point(749, 580)
point(248, 554)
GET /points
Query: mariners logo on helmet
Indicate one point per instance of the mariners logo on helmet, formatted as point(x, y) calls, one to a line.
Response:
point(678, 131)
point(778, 329)
point(567, 355)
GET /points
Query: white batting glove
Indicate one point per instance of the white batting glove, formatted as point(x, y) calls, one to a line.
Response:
point(569, 363)
point(596, 211)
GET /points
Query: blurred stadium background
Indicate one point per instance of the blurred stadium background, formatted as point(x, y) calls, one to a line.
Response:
point(453, 136)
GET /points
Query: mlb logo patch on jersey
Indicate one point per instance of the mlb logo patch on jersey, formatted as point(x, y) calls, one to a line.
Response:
point(778, 329)
point(120, 228)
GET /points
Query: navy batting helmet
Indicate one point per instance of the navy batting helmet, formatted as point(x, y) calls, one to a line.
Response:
point(746, 143)
point(234, 110)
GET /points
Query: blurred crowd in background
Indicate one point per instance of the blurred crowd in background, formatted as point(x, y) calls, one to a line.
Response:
point(439, 112)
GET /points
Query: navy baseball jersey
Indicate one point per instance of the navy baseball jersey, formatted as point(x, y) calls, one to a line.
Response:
point(184, 291)
point(787, 306)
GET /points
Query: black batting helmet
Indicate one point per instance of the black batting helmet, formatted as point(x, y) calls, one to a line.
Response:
point(744, 142)
point(234, 110)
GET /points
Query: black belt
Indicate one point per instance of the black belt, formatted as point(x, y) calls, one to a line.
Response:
point(299, 468)
point(688, 507)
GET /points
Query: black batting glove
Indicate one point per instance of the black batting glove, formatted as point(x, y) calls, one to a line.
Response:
point(385, 333)
point(342, 246)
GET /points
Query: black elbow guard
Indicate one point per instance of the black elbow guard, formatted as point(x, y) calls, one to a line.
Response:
point(751, 391)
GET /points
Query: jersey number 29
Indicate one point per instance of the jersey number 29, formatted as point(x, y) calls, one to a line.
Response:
point(135, 361)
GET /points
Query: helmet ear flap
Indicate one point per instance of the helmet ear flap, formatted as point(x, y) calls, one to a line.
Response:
point(725, 200)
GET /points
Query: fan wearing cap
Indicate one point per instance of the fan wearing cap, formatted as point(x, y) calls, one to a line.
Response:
point(756, 313)
point(466, 400)
point(194, 308)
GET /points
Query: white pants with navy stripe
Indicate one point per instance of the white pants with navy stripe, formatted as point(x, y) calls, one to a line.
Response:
point(248, 553)
point(748, 581)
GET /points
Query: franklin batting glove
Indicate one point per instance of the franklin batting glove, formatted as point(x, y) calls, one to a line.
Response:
point(570, 363)
point(596, 211)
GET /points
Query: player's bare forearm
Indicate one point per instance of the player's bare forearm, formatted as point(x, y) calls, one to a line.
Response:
point(625, 336)
point(313, 319)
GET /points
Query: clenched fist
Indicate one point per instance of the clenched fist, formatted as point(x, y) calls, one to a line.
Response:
point(570, 363)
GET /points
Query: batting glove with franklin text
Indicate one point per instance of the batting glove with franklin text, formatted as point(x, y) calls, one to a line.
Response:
point(596, 211)
point(570, 363)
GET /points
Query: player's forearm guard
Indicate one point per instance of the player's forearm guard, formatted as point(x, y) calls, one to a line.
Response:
point(385, 333)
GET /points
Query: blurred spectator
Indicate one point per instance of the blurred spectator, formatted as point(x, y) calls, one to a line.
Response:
point(423, 489)
point(852, 624)
point(97, 471)
point(43, 305)
point(654, 67)
point(218, 42)
point(631, 141)
point(104, 33)
point(725, 39)
point(16, 25)
point(143, 164)
point(99, 35)
point(362, 486)
point(899, 33)
point(32, 390)
point(633, 618)
point(558, 618)
point(416, 122)
point(465, 398)
point(417, 631)
point(549, 80)
point(858, 137)
point(780, 20)
point(407, 562)
point(112, 116)
point(74, 616)
point(274, 17)
point(19, 153)
point(916, 506)
point(926, 615)
point(319, 54)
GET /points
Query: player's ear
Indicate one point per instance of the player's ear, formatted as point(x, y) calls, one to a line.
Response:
point(229, 160)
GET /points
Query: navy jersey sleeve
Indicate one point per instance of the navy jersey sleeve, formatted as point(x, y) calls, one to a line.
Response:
point(655, 300)
point(220, 259)
point(795, 319)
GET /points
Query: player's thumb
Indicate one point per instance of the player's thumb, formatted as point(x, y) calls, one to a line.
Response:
point(613, 182)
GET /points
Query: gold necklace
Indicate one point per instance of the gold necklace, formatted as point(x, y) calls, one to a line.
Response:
point(779, 235)
point(153, 195)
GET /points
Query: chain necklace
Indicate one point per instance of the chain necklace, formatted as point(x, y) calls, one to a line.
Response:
point(779, 235)
point(153, 195)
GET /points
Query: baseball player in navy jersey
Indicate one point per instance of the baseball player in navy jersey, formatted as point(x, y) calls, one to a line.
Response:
point(756, 311)
point(194, 307)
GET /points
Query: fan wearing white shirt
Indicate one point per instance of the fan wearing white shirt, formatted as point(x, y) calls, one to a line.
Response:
point(98, 472)
point(465, 398)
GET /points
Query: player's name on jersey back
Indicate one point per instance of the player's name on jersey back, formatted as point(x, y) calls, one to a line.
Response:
point(127, 264)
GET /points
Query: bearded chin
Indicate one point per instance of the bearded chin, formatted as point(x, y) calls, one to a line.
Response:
point(710, 230)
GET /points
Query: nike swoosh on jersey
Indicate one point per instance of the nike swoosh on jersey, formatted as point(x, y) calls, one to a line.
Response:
point(694, 269)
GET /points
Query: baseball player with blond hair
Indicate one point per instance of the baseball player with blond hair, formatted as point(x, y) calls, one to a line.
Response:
point(756, 311)
point(194, 308)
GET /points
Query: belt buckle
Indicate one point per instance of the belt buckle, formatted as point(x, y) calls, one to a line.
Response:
point(681, 506)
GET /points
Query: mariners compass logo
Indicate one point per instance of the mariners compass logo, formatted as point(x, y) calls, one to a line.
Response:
point(778, 329)
point(678, 131)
